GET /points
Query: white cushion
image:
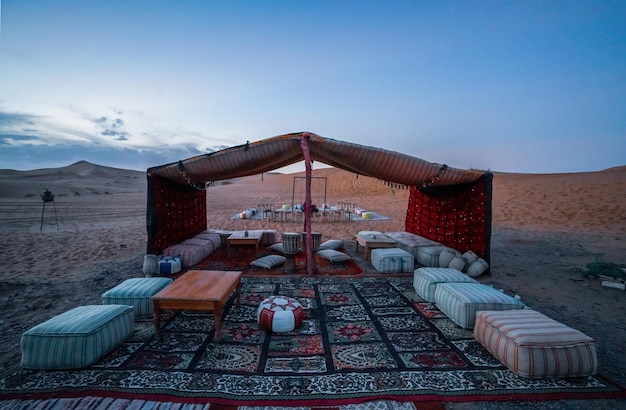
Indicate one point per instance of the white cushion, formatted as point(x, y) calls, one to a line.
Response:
point(429, 255)
point(446, 256)
point(331, 244)
point(333, 255)
point(477, 268)
point(458, 263)
point(268, 261)
point(470, 257)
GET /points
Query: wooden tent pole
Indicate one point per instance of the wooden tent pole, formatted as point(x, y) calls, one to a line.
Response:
point(310, 261)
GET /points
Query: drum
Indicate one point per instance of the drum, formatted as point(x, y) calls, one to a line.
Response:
point(316, 237)
point(291, 243)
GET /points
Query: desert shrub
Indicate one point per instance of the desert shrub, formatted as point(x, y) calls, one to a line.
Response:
point(597, 268)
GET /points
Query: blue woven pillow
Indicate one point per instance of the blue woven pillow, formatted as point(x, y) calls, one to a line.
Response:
point(333, 255)
point(331, 244)
point(277, 247)
point(268, 261)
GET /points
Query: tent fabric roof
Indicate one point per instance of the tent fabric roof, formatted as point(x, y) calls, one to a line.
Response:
point(269, 154)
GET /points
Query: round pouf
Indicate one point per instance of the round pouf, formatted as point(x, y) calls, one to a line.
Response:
point(280, 314)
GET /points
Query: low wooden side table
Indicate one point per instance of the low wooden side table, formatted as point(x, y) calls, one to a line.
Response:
point(374, 241)
point(244, 238)
point(198, 290)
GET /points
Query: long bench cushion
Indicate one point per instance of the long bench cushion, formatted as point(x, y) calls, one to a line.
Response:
point(223, 234)
point(136, 292)
point(207, 244)
point(461, 301)
point(189, 254)
point(76, 338)
point(535, 346)
point(425, 280)
point(213, 237)
point(410, 242)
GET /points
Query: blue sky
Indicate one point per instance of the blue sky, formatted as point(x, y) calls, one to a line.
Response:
point(515, 86)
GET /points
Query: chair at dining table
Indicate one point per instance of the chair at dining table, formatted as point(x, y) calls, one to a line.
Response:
point(266, 211)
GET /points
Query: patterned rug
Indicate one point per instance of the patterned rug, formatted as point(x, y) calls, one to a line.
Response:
point(242, 256)
point(362, 339)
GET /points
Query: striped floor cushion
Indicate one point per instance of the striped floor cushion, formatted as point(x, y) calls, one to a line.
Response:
point(136, 292)
point(392, 260)
point(461, 301)
point(535, 346)
point(76, 338)
point(425, 280)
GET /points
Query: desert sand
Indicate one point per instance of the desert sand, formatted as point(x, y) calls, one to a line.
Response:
point(546, 229)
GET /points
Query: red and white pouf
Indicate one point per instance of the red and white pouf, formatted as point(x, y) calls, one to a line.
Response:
point(280, 314)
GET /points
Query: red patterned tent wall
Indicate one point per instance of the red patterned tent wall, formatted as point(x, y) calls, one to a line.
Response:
point(458, 216)
point(175, 212)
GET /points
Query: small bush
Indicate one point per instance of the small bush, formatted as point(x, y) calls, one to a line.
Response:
point(598, 268)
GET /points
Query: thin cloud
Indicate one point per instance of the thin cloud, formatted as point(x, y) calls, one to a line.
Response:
point(16, 120)
point(112, 127)
point(9, 139)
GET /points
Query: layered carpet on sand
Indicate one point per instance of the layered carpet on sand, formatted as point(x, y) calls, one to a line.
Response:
point(362, 339)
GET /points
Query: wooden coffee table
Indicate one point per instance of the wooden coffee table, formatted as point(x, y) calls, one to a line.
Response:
point(374, 241)
point(197, 290)
point(240, 238)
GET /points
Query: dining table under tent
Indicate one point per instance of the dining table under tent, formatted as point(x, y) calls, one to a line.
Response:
point(447, 205)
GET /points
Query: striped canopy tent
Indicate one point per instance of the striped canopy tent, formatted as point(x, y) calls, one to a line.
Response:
point(451, 206)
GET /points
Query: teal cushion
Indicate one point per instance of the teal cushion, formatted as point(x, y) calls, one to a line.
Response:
point(426, 280)
point(461, 301)
point(136, 292)
point(76, 338)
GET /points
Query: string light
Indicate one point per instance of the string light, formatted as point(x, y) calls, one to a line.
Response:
point(183, 173)
point(432, 180)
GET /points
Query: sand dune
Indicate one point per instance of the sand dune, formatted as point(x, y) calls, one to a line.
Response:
point(590, 201)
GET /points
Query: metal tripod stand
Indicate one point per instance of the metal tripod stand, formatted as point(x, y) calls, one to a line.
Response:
point(47, 196)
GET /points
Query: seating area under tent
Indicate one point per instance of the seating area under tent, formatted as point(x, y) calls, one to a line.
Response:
point(447, 205)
